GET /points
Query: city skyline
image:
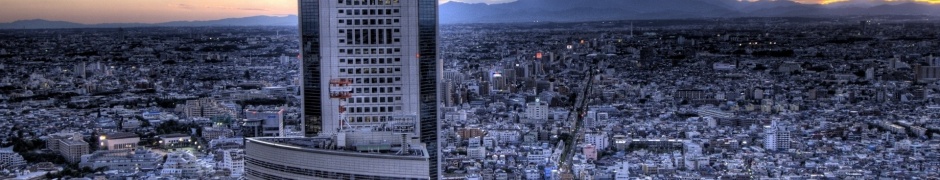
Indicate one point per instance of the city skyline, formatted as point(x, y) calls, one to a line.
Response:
point(470, 89)
point(159, 11)
point(537, 89)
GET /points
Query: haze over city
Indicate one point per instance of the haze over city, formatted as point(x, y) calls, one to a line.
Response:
point(158, 11)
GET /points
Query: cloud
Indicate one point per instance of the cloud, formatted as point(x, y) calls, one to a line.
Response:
point(252, 9)
point(192, 7)
point(183, 6)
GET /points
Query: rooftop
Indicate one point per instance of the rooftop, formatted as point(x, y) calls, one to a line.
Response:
point(176, 135)
point(328, 145)
point(121, 135)
point(72, 142)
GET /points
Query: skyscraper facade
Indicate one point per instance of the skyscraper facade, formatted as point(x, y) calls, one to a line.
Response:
point(370, 64)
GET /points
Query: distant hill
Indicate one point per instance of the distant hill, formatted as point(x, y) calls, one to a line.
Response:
point(290, 20)
point(39, 24)
point(597, 10)
point(572, 11)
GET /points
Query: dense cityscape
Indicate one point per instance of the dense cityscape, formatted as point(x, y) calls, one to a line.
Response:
point(723, 98)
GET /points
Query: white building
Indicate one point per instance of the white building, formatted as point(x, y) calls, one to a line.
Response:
point(539, 156)
point(72, 149)
point(489, 141)
point(119, 140)
point(537, 110)
point(70, 146)
point(590, 119)
point(8, 158)
point(598, 139)
point(366, 66)
point(175, 140)
point(532, 174)
point(506, 136)
point(776, 137)
point(475, 148)
point(459, 116)
point(126, 160)
point(370, 65)
point(560, 115)
point(206, 108)
point(622, 171)
point(234, 161)
point(180, 164)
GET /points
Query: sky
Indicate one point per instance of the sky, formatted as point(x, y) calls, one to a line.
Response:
point(156, 11)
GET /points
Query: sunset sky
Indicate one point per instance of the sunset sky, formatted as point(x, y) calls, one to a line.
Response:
point(154, 11)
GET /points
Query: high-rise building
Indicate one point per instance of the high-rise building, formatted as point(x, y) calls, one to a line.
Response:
point(382, 54)
point(370, 77)
point(776, 137)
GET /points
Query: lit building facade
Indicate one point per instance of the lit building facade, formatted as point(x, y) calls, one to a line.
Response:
point(118, 140)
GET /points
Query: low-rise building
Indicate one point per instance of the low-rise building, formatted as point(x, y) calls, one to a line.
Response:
point(180, 164)
point(119, 140)
point(8, 158)
point(170, 141)
point(127, 160)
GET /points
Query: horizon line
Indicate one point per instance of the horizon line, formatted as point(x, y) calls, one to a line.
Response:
point(91, 24)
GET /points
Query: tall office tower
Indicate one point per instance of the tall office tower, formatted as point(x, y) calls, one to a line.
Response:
point(370, 67)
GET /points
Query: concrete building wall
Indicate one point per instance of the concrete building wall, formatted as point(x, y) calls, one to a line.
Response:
point(268, 160)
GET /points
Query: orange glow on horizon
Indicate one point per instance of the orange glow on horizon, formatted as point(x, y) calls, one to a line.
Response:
point(144, 11)
point(158, 11)
point(837, 1)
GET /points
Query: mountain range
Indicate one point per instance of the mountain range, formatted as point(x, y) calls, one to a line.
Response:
point(571, 11)
point(290, 20)
point(599, 10)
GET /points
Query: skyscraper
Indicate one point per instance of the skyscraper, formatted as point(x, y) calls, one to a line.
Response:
point(371, 64)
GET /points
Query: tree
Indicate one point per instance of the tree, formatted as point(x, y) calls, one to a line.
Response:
point(72, 170)
point(172, 126)
point(143, 122)
point(93, 141)
point(760, 67)
point(21, 145)
point(43, 157)
point(222, 120)
point(860, 73)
